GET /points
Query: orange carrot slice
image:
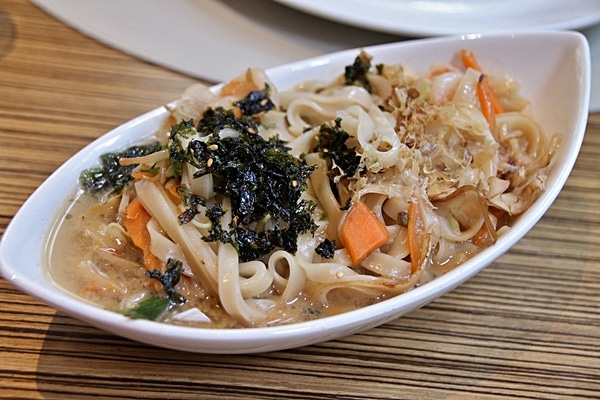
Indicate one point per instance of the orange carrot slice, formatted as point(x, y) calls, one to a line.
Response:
point(469, 60)
point(135, 219)
point(490, 105)
point(486, 96)
point(362, 232)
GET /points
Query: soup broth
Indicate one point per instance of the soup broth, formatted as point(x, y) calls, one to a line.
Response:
point(91, 256)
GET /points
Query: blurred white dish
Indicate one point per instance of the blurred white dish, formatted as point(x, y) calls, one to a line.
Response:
point(593, 36)
point(554, 69)
point(457, 17)
point(215, 38)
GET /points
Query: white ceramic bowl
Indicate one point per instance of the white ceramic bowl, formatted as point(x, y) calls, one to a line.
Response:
point(554, 70)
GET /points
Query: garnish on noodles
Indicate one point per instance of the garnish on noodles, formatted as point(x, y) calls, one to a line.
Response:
point(261, 206)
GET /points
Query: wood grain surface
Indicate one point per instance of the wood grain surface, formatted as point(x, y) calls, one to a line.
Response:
point(527, 327)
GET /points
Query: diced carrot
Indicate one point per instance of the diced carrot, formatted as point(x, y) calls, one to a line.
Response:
point(362, 232)
point(135, 219)
point(418, 239)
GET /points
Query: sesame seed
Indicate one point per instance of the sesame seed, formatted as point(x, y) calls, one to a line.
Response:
point(209, 162)
point(294, 183)
point(213, 147)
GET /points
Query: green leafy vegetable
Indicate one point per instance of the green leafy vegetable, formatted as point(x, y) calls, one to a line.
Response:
point(111, 177)
point(150, 309)
point(155, 306)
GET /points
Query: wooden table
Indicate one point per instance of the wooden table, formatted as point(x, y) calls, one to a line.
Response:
point(526, 327)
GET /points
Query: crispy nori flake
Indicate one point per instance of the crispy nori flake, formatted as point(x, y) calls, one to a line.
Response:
point(332, 146)
point(326, 248)
point(260, 177)
point(217, 233)
point(190, 202)
point(347, 205)
point(256, 102)
point(169, 279)
point(215, 119)
point(111, 177)
point(178, 151)
point(356, 74)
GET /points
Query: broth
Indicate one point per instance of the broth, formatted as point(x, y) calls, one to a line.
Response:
point(91, 256)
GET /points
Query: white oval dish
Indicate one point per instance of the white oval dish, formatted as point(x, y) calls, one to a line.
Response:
point(554, 71)
point(441, 17)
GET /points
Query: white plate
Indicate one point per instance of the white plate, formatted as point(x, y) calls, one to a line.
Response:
point(554, 69)
point(593, 36)
point(456, 17)
point(215, 39)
